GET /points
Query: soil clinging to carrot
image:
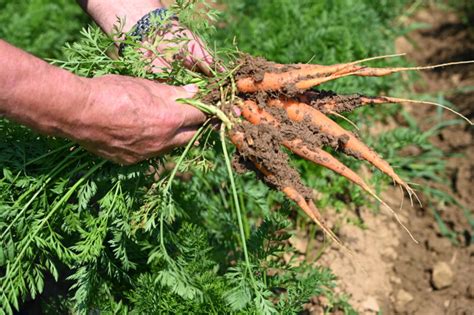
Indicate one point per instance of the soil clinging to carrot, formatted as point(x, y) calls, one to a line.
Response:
point(262, 145)
point(262, 142)
point(322, 100)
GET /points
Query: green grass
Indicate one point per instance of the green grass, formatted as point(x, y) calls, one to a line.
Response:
point(41, 26)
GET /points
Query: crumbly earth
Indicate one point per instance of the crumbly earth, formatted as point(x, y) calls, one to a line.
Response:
point(262, 145)
point(263, 142)
point(256, 67)
point(340, 103)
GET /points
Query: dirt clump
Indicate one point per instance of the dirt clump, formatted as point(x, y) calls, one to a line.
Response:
point(262, 145)
point(321, 100)
point(442, 275)
point(256, 67)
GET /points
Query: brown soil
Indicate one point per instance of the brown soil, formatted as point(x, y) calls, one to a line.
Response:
point(262, 145)
point(328, 101)
point(435, 276)
point(447, 39)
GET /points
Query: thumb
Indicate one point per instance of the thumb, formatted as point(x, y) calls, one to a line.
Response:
point(186, 91)
point(191, 115)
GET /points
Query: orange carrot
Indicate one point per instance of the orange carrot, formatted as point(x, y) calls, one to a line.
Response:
point(307, 76)
point(237, 139)
point(298, 111)
point(256, 115)
point(307, 206)
point(310, 209)
point(274, 81)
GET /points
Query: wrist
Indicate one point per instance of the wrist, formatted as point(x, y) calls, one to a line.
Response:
point(57, 111)
point(106, 13)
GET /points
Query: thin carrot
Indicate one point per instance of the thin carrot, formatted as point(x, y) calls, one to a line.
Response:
point(303, 77)
point(310, 209)
point(273, 81)
point(366, 72)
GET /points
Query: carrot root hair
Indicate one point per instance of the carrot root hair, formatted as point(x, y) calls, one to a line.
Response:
point(388, 99)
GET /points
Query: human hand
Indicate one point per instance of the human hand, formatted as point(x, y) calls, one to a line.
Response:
point(171, 43)
point(128, 120)
point(178, 43)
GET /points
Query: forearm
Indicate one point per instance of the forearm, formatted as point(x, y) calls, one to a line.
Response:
point(106, 12)
point(37, 94)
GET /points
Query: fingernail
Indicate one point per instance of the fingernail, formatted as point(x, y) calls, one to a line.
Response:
point(191, 88)
point(237, 111)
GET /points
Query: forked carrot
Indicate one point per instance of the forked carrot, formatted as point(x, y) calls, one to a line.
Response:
point(273, 81)
point(310, 82)
point(311, 211)
point(298, 111)
point(256, 116)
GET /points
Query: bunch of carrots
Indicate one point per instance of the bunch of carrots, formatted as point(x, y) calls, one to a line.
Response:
point(276, 102)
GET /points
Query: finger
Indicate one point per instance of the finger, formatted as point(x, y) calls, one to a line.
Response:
point(203, 58)
point(159, 64)
point(183, 136)
point(199, 57)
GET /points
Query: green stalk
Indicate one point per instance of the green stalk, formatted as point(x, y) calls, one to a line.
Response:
point(47, 154)
point(171, 178)
point(46, 219)
point(237, 207)
point(245, 221)
point(208, 109)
